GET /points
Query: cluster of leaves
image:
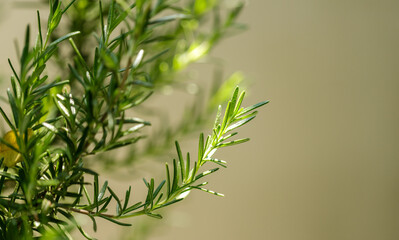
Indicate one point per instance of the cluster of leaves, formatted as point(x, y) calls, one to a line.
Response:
point(172, 48)
point(57, 123)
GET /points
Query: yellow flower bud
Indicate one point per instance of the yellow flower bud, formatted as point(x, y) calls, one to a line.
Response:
point(11, 157)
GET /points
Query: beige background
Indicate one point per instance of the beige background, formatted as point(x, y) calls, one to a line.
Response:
point(323, 162)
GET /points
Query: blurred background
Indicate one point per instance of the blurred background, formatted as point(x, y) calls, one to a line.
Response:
point(323, 162)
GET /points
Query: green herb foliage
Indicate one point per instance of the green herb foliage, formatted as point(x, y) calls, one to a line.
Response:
point(138, 46)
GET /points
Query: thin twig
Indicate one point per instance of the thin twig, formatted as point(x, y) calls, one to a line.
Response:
point(85, 212)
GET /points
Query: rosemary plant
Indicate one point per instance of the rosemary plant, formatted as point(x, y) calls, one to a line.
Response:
point(56, 122)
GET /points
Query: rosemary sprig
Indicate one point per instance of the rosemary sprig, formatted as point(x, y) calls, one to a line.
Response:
point(56, 122)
